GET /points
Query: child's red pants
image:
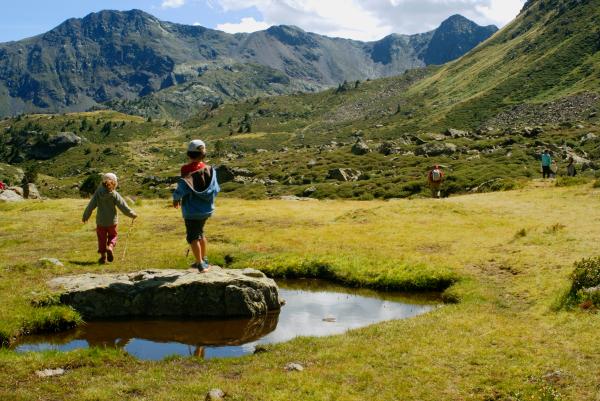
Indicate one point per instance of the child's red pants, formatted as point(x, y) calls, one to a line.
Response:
point(107, 238)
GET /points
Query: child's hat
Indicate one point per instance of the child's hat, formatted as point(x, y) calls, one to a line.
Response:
point(195, 145)
point(109, 177)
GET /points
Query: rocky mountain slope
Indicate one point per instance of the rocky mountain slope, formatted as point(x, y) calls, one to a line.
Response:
point(486, 118)
point(123, 56)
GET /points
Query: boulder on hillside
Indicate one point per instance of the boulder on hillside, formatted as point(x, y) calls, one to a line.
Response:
point(388, 148)
point(54, 145)
point(16, 189)
point(436, 149)
point(226, 173)
point(360, 147)
point(344, 174)
point(9, 195)
point(529, 132)
point(32, 192)
point(587, 137)
point(455, 133)
point(169, 293)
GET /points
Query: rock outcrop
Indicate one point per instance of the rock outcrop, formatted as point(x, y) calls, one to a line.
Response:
point(344, 174)
point(436, 149)
point(165, 293)
point(8, 195)
point(360, 148)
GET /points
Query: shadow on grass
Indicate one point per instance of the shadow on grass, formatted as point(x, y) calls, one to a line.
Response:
point(83, 262)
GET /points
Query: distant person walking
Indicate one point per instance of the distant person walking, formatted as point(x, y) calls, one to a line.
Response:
point(546, 163)
point(196, 192)
point(107, 200)
point(435, 178)
point(571, 170)
point(2, 186)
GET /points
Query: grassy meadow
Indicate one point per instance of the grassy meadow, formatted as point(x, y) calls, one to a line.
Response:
point(503, 258)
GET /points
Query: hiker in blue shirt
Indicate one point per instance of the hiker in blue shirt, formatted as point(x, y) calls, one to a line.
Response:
point(196, 193)
point(546, 163)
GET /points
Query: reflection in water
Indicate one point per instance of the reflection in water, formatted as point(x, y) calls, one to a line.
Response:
point(316, 310)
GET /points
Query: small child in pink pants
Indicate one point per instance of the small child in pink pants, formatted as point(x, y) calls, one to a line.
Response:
point(107, 200)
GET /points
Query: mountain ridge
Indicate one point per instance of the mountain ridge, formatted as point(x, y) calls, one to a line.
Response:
point(126, 55)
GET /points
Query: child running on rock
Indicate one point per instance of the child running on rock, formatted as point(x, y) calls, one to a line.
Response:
point(196, 192)
point(107, 200)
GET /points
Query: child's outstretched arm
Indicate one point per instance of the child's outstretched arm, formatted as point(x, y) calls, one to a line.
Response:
point(179, 193)
point(123, 207)
point(87, 213)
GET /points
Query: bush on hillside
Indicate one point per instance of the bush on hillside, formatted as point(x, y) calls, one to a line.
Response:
point(585, 275)
point(90, 184)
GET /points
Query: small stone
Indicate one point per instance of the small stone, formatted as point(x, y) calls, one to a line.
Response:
point(554, 377)
point(293, 366)
point(50, 262)
point(49, 372)
point(216, 394)
point(309, 191)
point(260, 349)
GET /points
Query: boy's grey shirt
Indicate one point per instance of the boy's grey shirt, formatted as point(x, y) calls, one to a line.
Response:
point(107, 204)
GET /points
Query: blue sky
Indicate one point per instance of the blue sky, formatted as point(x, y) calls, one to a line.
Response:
point(356, 19)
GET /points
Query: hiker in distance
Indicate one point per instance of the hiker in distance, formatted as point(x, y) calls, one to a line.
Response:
point(435, 178)
point(196, 192)
point(546, 164)
point(106, 199)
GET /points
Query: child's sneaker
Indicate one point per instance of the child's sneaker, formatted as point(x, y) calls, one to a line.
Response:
point(109, 255)
point(102, 259)
point(203, 266)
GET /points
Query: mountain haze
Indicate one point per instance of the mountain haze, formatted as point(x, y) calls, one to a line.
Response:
point(124, 56)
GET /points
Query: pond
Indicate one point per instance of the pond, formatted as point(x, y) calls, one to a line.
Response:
point(313, 308)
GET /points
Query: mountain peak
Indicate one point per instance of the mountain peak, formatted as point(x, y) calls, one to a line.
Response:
point(454, 37)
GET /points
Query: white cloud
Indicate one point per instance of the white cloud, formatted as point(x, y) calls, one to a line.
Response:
point(500, 11)
point(172, 3)
point(247, 24)
point(372, 19)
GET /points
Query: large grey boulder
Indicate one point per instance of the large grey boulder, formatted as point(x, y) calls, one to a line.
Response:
point(10, 196)
point(161, 293)
point(436, 149)
point(32, 192)
point(54, 145)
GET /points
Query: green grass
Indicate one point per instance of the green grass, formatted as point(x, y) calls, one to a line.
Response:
point(500, 339)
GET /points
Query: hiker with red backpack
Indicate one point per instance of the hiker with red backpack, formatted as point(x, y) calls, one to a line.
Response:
point(435, 178)
point(196, 192)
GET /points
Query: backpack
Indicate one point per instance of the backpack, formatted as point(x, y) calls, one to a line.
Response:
point(436, 175)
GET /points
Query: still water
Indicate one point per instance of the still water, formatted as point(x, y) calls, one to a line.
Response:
point(313, 308)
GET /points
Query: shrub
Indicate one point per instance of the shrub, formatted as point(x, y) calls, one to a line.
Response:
point(585, 275)
point(90, 184)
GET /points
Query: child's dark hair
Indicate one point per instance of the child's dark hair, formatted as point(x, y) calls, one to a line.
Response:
point(197, 155)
